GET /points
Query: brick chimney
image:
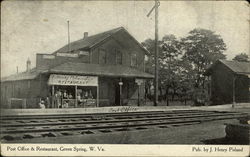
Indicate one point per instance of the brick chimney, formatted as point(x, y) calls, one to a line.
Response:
point(28, 65)
point(85, 35)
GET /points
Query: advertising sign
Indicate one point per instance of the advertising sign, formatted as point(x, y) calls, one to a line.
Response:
point(69, 80)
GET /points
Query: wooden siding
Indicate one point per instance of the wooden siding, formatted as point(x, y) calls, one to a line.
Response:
point(42, 63)
point(222, 86)
point(111, 46)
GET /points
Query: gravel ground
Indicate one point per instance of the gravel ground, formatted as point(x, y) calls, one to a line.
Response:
point(205, 133)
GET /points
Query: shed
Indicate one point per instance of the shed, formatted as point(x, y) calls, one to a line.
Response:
point(229, 82)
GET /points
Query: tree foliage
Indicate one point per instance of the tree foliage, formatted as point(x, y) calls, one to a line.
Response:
point(243, 57)
point(182, 62)
point(201, 48)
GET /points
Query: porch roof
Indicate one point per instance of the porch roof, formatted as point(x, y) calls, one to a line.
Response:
point(27, 75)
point(99, 70)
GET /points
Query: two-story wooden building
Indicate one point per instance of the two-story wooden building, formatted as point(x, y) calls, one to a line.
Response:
point(105, 69)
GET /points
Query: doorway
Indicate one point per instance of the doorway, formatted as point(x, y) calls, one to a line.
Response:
point(117, 95)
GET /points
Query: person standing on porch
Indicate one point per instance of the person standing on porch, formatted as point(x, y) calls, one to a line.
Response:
point(48, 104)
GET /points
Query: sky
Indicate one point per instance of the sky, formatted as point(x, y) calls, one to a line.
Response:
point(31, 27)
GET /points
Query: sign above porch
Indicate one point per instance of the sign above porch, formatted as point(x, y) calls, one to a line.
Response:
point(73, 80)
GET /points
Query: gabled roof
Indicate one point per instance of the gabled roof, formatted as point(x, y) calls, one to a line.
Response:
point(91, 41)
point(99, 70)
point(32, 74)
point(234, 66)
point(88, 42)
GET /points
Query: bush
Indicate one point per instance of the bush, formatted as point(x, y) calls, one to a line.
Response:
point(200, 97)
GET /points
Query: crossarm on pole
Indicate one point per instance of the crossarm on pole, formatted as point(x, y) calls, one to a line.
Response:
point(158, 4)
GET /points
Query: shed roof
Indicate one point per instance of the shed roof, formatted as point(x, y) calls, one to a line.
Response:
point(32, 74)
point(91, 41)
point(235, 66)
point(99, 70)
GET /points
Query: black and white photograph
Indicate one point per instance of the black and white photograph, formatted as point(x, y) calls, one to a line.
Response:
point(125, 78)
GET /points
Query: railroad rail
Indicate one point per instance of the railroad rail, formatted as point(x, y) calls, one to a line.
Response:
point(40, 126)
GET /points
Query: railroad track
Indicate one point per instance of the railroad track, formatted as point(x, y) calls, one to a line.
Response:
point(33, 126)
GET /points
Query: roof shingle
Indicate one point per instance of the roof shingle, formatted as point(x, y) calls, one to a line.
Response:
point(235, 66)
point(22, 76)
point(88, 42)
point(99, 70)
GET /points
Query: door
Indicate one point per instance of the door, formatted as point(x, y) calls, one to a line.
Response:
point(117, 95)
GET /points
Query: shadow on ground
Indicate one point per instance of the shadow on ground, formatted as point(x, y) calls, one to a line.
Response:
point(224, 141)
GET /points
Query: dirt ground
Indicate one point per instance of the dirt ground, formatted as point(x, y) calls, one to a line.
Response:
point(212, 132)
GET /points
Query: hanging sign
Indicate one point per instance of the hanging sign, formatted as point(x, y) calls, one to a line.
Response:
point(48, 56)
point(70, 80)
point(61, 54)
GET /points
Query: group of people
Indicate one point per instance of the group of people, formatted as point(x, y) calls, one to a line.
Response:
point(44, 102)
point(82, 96)
point(85, 95)
point(62, 98)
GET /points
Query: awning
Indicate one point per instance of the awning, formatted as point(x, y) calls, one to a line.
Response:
point(99, 70)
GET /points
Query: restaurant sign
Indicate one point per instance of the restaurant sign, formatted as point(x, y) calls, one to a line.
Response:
point(73, 80)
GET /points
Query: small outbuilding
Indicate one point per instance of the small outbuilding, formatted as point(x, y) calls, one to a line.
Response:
point(229, 82)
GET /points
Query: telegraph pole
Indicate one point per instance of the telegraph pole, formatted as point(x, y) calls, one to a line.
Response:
point(68, 38)
point(155, 7)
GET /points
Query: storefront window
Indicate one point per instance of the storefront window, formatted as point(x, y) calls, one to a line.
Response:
point(86, 96)
point(70, 91)
point(68, 97)
point(64, 96)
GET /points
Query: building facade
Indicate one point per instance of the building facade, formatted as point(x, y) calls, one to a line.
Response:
point(229, 82)
point(105, 69)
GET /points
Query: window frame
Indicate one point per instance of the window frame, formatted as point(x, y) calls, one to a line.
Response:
point(133, 58)
point(118, 53)
point(105, 56)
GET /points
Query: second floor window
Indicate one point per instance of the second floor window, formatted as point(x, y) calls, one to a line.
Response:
point(102, 56)
point(118, 57)
point(133, 60)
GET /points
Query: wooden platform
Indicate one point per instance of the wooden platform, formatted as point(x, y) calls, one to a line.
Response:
point(115, 109)
point(88, 110)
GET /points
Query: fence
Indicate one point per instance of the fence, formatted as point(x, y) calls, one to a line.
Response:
point(17, 103)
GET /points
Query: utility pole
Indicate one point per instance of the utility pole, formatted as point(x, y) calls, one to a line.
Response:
point(234, 102)
point(155, 7)
point(68, 38)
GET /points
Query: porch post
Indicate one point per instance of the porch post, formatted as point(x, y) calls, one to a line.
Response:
point(76, 96)
point(53, 96)
point(138, 95)
point(233, 91)
point(97, 94)
point(120, 84)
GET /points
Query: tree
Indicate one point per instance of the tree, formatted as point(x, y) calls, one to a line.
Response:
point(183, 62)
point(241, 57)
point(169, 61)
point(201, 48)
